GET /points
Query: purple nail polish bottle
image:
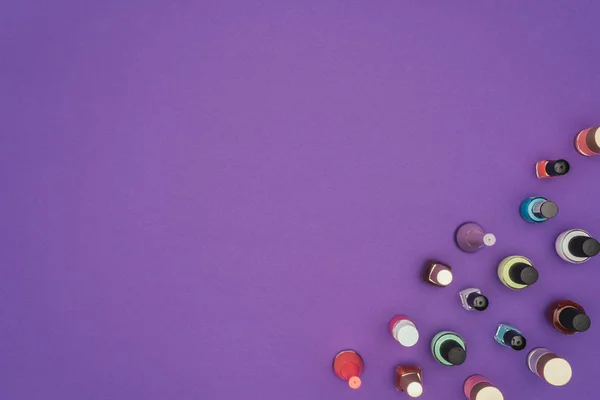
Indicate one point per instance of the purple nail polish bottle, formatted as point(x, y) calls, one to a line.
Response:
point(470, 237)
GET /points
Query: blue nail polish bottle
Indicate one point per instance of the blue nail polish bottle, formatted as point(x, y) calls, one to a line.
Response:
point(538, 209)
point(510, 337)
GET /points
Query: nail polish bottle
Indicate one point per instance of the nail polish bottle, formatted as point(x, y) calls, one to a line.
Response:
point(517, 272)
point(511, 337)
point(348, 366)
point(576, 246)
point(587, 142)
point(551, 168)
point(538, 209)
point(404, 331)
point(550, 367)
point(448, 348)
point(438, 274)
point(471, 237)
point(472, 299)
point(409, 379)
point(477, 387)
point(569, 317)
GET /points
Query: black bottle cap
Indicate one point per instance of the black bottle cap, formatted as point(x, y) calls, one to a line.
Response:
point(515, 340)
point(453, 352)
point(574, 320)
point(557, 167)
point(583, 246)
point(549, 209)
point(523, 274)
point(478, 301)
point(582, 322)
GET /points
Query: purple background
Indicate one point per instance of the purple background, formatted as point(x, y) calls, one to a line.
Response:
point(208, 200)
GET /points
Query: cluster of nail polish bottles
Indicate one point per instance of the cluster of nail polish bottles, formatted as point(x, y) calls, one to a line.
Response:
point(516, 272)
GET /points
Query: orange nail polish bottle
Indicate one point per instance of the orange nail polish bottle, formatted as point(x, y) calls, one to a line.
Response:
point(409, 379)
point(551, 168)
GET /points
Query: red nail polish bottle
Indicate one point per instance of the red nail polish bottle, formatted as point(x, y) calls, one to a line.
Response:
point(348, 366)
point(569, 317)
point(437, 274)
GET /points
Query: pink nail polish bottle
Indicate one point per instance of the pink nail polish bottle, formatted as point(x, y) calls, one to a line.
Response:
point(403, 330)
point(477, 387)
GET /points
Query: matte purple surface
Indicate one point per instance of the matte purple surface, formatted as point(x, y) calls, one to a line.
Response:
point(208, 200)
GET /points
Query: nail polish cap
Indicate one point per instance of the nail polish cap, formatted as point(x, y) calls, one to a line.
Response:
point(557, 167)
point(514, 339)
point(406, 333)
point(478, 301)
point(523, 274)
point(575, 320)
point(414, 389)
point(583, 246)
point(549, 209)
point(354, 382)
point(582, 322)
point(444, 277)
point(453, 352)
point(593, 139)
point(489, 239)
point(485, 391)
point(556, 371)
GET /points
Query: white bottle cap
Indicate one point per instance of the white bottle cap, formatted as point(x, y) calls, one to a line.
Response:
point(406, 333)
point(414, 389)
point(557, 372)
point(444, 277)
point(489, 393)
point(489, 239)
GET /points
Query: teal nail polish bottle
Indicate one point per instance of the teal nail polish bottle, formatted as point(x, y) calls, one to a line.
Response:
point(510, 337)
point(448, 348)
point(537, 209)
